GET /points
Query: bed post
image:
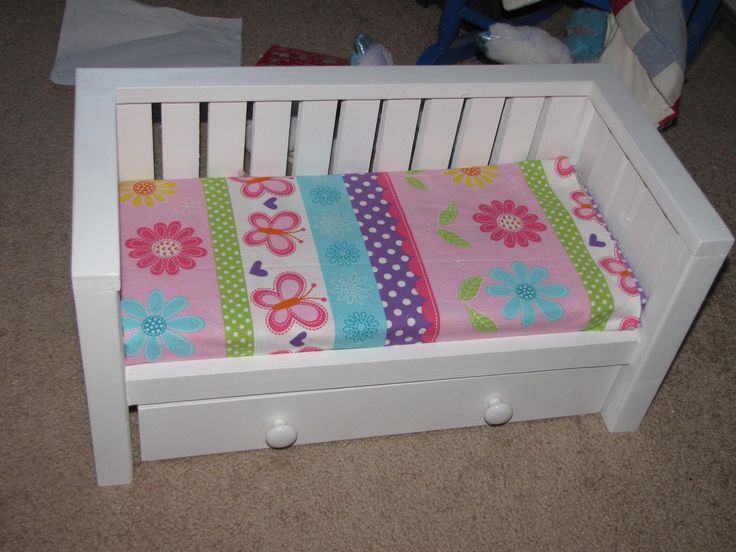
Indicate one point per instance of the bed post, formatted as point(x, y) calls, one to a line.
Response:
point(665, 323)
point(104, 376)
point(96, 275)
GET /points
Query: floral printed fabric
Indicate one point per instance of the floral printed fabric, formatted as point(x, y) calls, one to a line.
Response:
point(241, 266)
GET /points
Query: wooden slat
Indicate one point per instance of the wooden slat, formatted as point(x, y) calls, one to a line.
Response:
point(180, 140)
point(637, 232)
point(396, 135)
point(135, 142)
point(517, 129)
point(657, 254)
point(559, 133)
point(225, 138)
point(355, 134)
point(592, 133)
point(477, 132)
point(436, 135)
point(605, 173)
point(270, 149)
point(625, 197)
point(313, 137)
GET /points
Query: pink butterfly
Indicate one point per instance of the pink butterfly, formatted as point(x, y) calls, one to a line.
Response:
point(255, 187)
point(619, 267)
point(563, 167)
point(289, 302)
point(277, 232)
point(629, 323)
point(585, 209)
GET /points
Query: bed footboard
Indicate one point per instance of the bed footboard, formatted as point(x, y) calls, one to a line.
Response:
point(666, 227)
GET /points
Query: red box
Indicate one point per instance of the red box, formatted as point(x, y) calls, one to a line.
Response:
point(280, 55)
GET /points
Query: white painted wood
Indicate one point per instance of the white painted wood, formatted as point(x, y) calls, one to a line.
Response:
point(436, 135)
point(95, 219)
point(348, 83)
point(592, 133)
point(635, 236)
point(625, 197)
point(281, 434)
point(203, 427)
point(180, 140)
point(395, 141)
point(172, 381)
point(356, 132)
point(313, 137)
point(225, 138)
point(517, 130)
point(682, 201)
point(660, 246)
point(498, 412)
point(270, 149)
point(669, 314)
point(98, 323)
point(477, 132)
point(558, 133)
point(609, 166)
point(651, 194)
point(135, 142)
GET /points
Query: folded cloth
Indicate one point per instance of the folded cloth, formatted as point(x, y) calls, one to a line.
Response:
point(124, 33)
point(646, 43)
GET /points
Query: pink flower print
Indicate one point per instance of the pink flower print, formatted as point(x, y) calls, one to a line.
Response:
point(617, 266)
point(563, 167)
point(165, 248)
point(255, 187)
point(629, 323)
point(506, 221)
point(585, 209)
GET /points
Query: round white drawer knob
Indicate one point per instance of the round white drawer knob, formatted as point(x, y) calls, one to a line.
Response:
point(281, 434)
point(498, 412)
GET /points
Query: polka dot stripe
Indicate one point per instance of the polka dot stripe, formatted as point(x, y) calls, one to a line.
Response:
point(599, 294)
point(230, 278)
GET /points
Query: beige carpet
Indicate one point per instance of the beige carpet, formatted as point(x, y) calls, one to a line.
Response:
point(563, 484)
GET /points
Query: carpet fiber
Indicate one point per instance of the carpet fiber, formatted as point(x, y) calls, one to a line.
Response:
point(564, 484)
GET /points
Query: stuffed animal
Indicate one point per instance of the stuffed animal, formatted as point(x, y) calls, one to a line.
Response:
point(506, 43)
point(585, 34)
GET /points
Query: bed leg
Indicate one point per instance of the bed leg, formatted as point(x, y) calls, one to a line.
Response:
point(665, 323)
point(98, 322)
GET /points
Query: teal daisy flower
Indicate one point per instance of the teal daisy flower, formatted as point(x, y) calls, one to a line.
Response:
point(527, 293)
point(360, 326)
point(156, 325)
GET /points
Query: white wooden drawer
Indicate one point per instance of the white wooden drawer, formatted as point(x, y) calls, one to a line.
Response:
point(201, 427)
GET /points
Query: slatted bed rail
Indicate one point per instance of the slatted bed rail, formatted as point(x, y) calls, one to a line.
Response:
point(337, 137)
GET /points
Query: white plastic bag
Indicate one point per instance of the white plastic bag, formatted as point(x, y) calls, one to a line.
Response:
point(124, 33)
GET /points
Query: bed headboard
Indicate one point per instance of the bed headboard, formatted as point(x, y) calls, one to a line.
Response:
point(345, 119)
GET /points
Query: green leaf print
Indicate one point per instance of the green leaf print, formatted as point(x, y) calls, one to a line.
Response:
point(452, 238)
point(469, 288)
point(481, 322)
point(449, 214)
point(416, 183)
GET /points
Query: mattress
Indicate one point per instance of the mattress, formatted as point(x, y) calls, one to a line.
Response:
point(240, 266)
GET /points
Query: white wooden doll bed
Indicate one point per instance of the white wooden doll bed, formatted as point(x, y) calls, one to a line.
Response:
point(420, 118)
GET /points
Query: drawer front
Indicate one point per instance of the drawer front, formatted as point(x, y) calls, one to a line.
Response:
point(202, 427)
